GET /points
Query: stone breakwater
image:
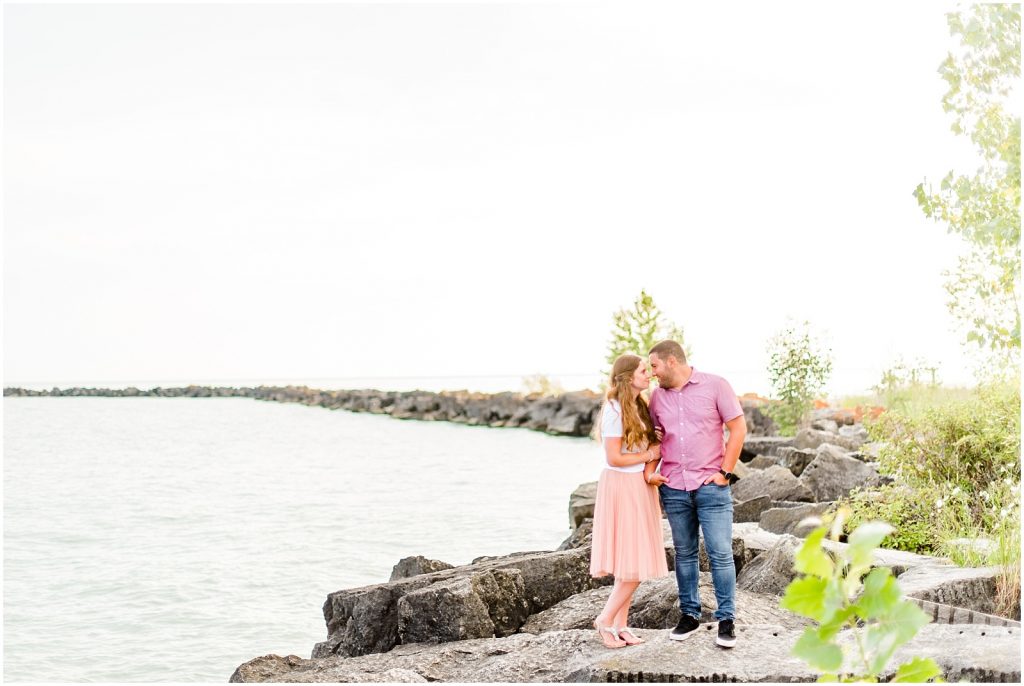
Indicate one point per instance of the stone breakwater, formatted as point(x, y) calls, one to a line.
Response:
point(526, 617)
point(568, 414)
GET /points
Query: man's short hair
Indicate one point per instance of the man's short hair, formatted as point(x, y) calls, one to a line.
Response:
point(666, 348)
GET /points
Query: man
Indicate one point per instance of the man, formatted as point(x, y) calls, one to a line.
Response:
point(689, 409)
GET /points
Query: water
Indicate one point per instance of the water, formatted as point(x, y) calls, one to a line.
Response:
point(156, 539)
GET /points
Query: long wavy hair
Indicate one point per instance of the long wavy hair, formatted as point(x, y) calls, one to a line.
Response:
point(637, 426)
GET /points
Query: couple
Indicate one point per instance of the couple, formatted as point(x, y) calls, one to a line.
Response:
point(681, 428)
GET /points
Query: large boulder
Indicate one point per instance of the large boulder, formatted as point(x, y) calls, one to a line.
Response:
point(857, 435)
point(751, 510)
point(581, 536)
point(480, 605)
point(763, 462)
point(493, 596)
point(771, 571)
point(581, 503)
point(811, 439)
point(795, 459)
point(790, 520)
point(762, 445)
point(413, 566)
point(776, 482)
point(833, 474)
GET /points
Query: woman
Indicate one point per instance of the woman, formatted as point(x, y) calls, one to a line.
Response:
point(627, 539)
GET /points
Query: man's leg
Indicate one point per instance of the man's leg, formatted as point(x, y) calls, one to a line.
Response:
point(680, 508)
point(714, 509)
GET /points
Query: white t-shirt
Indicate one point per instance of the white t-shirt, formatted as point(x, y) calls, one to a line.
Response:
point(611, 427)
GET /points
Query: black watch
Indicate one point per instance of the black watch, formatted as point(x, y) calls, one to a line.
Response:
point(729, 476)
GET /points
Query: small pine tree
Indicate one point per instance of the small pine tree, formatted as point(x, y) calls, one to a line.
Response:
point(636, 330)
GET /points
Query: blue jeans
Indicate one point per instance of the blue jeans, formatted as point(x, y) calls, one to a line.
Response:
point(710, 506)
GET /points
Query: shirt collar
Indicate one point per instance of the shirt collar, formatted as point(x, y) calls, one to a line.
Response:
point(695, 377)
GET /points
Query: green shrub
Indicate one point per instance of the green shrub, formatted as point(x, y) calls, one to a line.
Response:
point(799, 366)
point(969, 444)
point(910, 510)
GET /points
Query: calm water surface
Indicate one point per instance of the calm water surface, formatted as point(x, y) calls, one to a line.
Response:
point(156, 539)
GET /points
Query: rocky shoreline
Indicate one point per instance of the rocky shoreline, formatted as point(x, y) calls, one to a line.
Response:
point(568, 414)
point(526, 616)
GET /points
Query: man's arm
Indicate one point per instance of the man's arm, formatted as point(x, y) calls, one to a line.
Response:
point(737, 433)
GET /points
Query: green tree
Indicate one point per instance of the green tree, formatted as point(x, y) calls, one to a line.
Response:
point(636, 330)
point(984, 208)
point(798, 368)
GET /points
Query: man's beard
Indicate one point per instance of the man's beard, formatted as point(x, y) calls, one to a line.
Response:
point(665, 381)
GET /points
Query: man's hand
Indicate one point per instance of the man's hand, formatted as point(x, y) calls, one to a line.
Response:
point(717, 479)
point(657, 480)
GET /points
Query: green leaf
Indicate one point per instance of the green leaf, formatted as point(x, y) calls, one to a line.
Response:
point(905, 619)
point(811, 559)
point(819, 654)
point(892, 630)
point(918, 670)
point(881, 593)
point(862, 543)
point(805, 597)
point(834, 624)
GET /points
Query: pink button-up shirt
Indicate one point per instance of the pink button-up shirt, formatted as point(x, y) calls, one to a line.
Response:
point(692, 420)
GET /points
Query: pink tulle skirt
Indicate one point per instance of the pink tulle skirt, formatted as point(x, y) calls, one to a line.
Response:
point(627, 538)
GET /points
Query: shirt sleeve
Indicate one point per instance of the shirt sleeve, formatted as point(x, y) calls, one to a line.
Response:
point(653, 407)
point(729, 407)
point(611, 422)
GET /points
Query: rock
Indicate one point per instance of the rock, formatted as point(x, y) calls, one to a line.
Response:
point(762, 654)
point(741, 470)
point(412, 566)
point(825, 425)
point(856, 434)
point(810, 439)
point(971, 588)
point(795, 459)
point(581, 503)
point(777, 482)
point(580, 537)
point(656, 606)
point(375, 618)
point(947, 614)
point(490, 603)
point(762, 445)
point(787, 520)
point(750, 510)
point(771, 571)
point(763, 462)
point(831, 475)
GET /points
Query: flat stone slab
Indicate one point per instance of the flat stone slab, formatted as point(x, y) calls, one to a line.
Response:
point(656, 606)
point(762, 654)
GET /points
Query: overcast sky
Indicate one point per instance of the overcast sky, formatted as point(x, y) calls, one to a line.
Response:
point(249, 191)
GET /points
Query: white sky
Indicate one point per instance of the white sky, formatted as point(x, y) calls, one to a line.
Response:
point(253, 191)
